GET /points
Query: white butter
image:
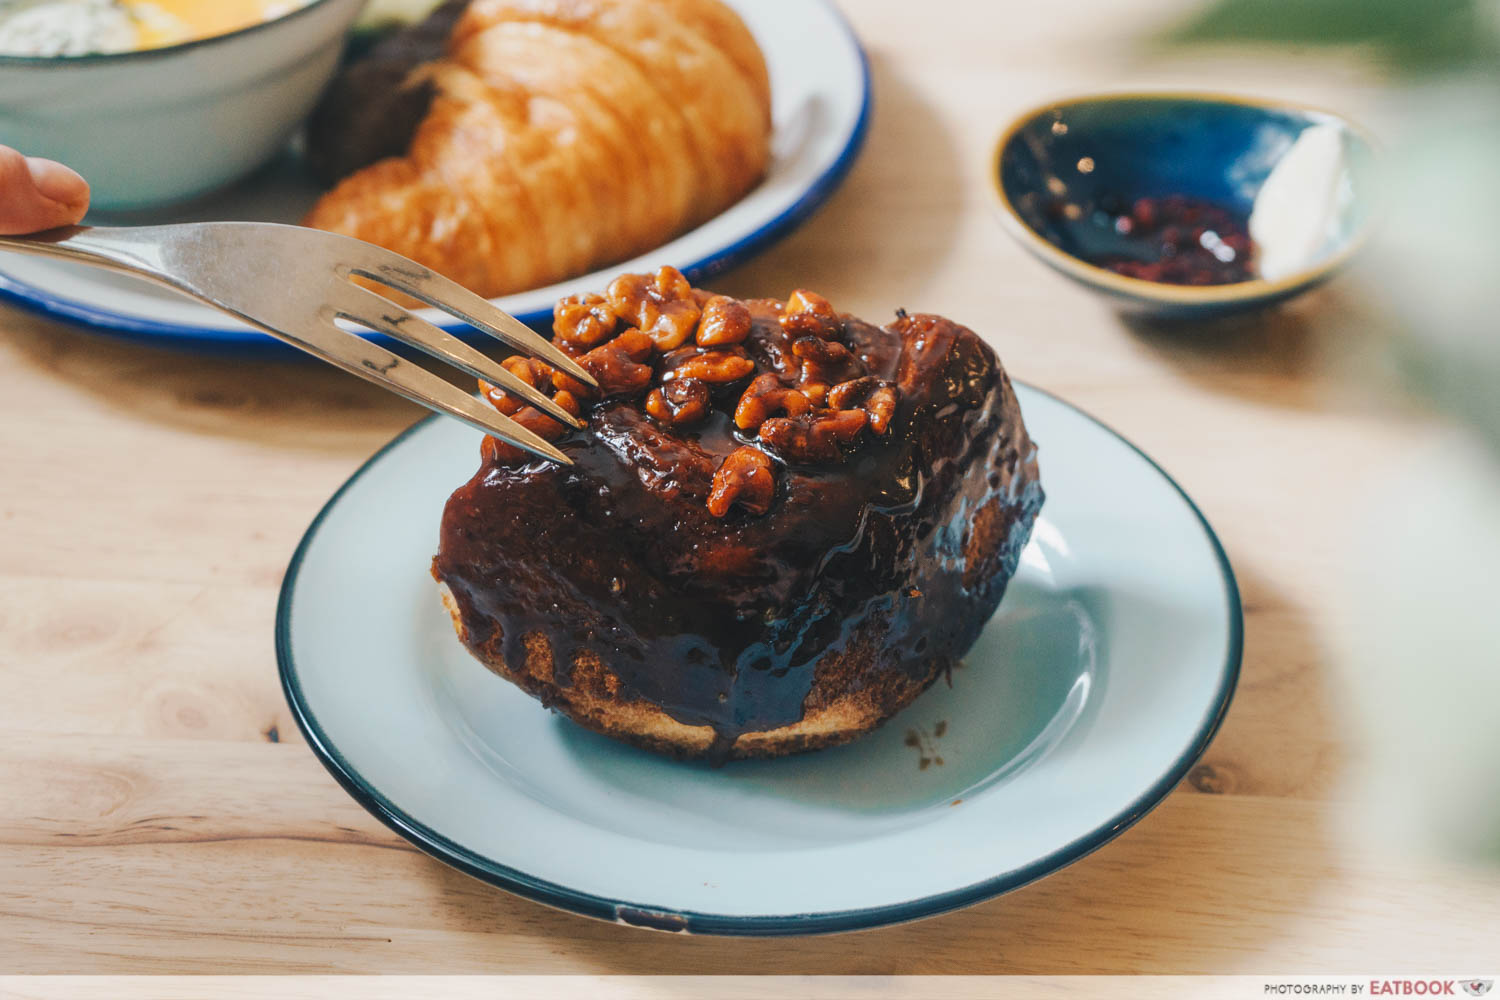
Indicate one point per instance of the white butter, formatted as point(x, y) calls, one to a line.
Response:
point(1296, 211)
point(64, 27)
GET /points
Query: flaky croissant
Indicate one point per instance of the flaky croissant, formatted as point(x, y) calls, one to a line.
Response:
point(547, 138)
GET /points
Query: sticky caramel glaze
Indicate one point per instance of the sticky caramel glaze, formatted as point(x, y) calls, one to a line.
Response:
point(723, 622)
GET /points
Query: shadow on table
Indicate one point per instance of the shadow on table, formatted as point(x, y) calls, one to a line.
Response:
point(288, 401)
point(1201, 884)
point(1296, 355)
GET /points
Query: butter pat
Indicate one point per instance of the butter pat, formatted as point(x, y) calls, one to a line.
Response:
point(64, 27)
point(84, 27)
point(1296, 212)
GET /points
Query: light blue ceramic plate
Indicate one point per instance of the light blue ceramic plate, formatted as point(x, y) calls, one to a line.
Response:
point(1097, 685)
point(820, 85)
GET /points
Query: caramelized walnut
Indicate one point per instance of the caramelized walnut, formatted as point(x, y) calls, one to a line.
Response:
point(816, 393)
point(715, 367)
point(534, 420)
point(499, 398)
point(662, 306)
point(809, 314)
point(617, 366)
point(825, 361)
point(766, 396)
point(569, 402)
point(881, 406)
point(636, 345)
point(875, 397)
point(725, 321)
point(814, 437)
point(563, 382)
point(810, 408)
point(529, 370)
point(744, 478)
point(585, 320)
point(680, 402)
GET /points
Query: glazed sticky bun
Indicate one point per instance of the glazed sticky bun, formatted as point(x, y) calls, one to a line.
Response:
point(781, 524)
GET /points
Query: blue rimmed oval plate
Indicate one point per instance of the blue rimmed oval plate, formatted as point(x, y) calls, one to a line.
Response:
point(820, 83)
point(1096, 686)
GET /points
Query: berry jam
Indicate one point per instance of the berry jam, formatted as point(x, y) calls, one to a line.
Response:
point(1177, 240)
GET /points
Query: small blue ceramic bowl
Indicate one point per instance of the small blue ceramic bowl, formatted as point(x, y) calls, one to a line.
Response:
point(1116, 148)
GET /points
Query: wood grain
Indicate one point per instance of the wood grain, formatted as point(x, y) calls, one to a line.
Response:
point(159, 813)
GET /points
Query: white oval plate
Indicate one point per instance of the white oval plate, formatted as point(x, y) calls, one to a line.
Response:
point(1093, 690)
point(820, 84)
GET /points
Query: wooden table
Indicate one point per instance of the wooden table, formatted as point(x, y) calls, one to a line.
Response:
point(159, 811)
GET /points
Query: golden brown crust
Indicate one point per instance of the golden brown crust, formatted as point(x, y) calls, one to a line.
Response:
point(565, 135)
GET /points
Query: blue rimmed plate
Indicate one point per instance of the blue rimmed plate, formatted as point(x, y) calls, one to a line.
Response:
point(820, 85)
point(1093, 690)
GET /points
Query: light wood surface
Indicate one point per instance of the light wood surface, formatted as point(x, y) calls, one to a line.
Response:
point(159, 812)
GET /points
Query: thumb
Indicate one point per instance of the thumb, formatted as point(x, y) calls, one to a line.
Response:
point(37, 194)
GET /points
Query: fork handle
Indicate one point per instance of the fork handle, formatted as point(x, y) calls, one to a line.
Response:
point(130, 251)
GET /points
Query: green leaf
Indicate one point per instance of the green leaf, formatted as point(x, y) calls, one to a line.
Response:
point(1412, 34)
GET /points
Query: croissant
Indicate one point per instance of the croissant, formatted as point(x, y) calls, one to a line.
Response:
point(536, 140)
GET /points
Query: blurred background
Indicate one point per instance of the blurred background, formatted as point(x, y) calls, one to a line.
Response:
point(1421, 672)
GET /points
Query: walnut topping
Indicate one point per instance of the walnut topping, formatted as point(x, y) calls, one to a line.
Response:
point(499, 398)
point(680, 402)
point(583, 320)
point(744, 478)
point(725, 321)
point(818, 436)
point(766, 396)
point(875, 397)
point(716, 367)
point(825, 361)
point(809, 314)
point(847, 395)
point(529, 370)
point(662, 306)
point(569, 402)
point(533, 420)
point(618, 366)
point(677, 352)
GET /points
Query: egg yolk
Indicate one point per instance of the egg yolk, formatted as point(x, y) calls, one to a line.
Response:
point(170, 22)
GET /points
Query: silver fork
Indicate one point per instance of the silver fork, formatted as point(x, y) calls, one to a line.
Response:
point(294, 282)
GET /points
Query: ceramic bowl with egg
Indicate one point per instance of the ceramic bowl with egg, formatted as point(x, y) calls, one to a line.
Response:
point(160, 102)
point(1185, 205)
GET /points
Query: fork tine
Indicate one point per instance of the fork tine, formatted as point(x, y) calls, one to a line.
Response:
point(439, 292)
point(243, 269)
point(376, 364)
point(382, 315)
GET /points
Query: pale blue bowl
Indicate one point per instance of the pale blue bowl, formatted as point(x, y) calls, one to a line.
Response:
point(166, 125)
